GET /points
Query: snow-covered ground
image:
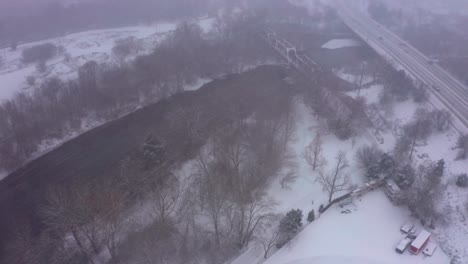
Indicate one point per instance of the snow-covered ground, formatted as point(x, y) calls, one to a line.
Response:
point(81, 47)
point(341, 43)
point(445, 7)
point(368, 234)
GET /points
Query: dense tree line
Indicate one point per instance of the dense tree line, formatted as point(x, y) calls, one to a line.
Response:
point(56, 18)
point(420, 186)
point(104, 92)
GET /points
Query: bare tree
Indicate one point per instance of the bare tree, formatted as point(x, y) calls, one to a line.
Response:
point(166, 198)
point(424, 193)
point(359, 76)
point(442, 119)
point(288, 179)
point(250, 216)
point(68, 210)
point(313, 152)
point(367, 156)
point(462, 145)
point(113, 223)
point(335, 181)
point(268, 233)
point(211, 193)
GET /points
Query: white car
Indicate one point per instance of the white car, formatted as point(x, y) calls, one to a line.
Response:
point(403, 245)
point(407, 227)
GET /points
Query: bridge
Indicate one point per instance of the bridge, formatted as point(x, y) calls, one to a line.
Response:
point(289, 52)
point(304, 64)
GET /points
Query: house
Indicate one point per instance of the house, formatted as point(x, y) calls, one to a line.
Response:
point(420, 242)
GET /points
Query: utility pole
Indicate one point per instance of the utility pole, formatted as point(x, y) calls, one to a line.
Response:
point(362, 77)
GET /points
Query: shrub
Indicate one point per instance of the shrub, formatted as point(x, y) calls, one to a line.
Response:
point(462, 180)
point(39, 53)
point(311, 216)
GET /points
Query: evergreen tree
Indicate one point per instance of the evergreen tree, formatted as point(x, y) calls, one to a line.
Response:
point(311, 216)
point(321, 208)
point(387, 165)
point(384, 167)
point(462, 180)
point(439, 168)
point(289, 226)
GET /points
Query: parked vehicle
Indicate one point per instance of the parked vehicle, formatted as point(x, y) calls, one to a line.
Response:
point(420, 242)
point(403, 245)
point(407, 227)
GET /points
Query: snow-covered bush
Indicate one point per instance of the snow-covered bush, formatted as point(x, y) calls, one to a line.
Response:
point(311, 216)
point(321, 207)
point(367, 156)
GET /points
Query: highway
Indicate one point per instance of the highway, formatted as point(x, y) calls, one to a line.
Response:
point(448, 92)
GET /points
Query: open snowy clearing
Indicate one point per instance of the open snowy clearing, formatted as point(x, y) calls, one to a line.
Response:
point(370, 231)
point(334, 260)
point(341, 43)
point(81, 47)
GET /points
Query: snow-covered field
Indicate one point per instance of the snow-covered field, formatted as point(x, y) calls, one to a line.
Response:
point(369, 233)
point(81, 47)
point(445, 7)
point(341, 43)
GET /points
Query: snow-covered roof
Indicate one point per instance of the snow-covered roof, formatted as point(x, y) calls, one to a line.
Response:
point(430, 248)
point(407, 227)
point(421, 239)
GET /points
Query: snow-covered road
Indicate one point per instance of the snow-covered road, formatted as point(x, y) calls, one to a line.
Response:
point(447, 90)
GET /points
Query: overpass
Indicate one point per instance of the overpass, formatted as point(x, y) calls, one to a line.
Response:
point(446, 91)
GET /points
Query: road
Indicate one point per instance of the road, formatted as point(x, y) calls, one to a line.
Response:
point(447, 92)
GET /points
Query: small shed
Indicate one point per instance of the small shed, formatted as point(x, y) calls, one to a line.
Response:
point(429, 249)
